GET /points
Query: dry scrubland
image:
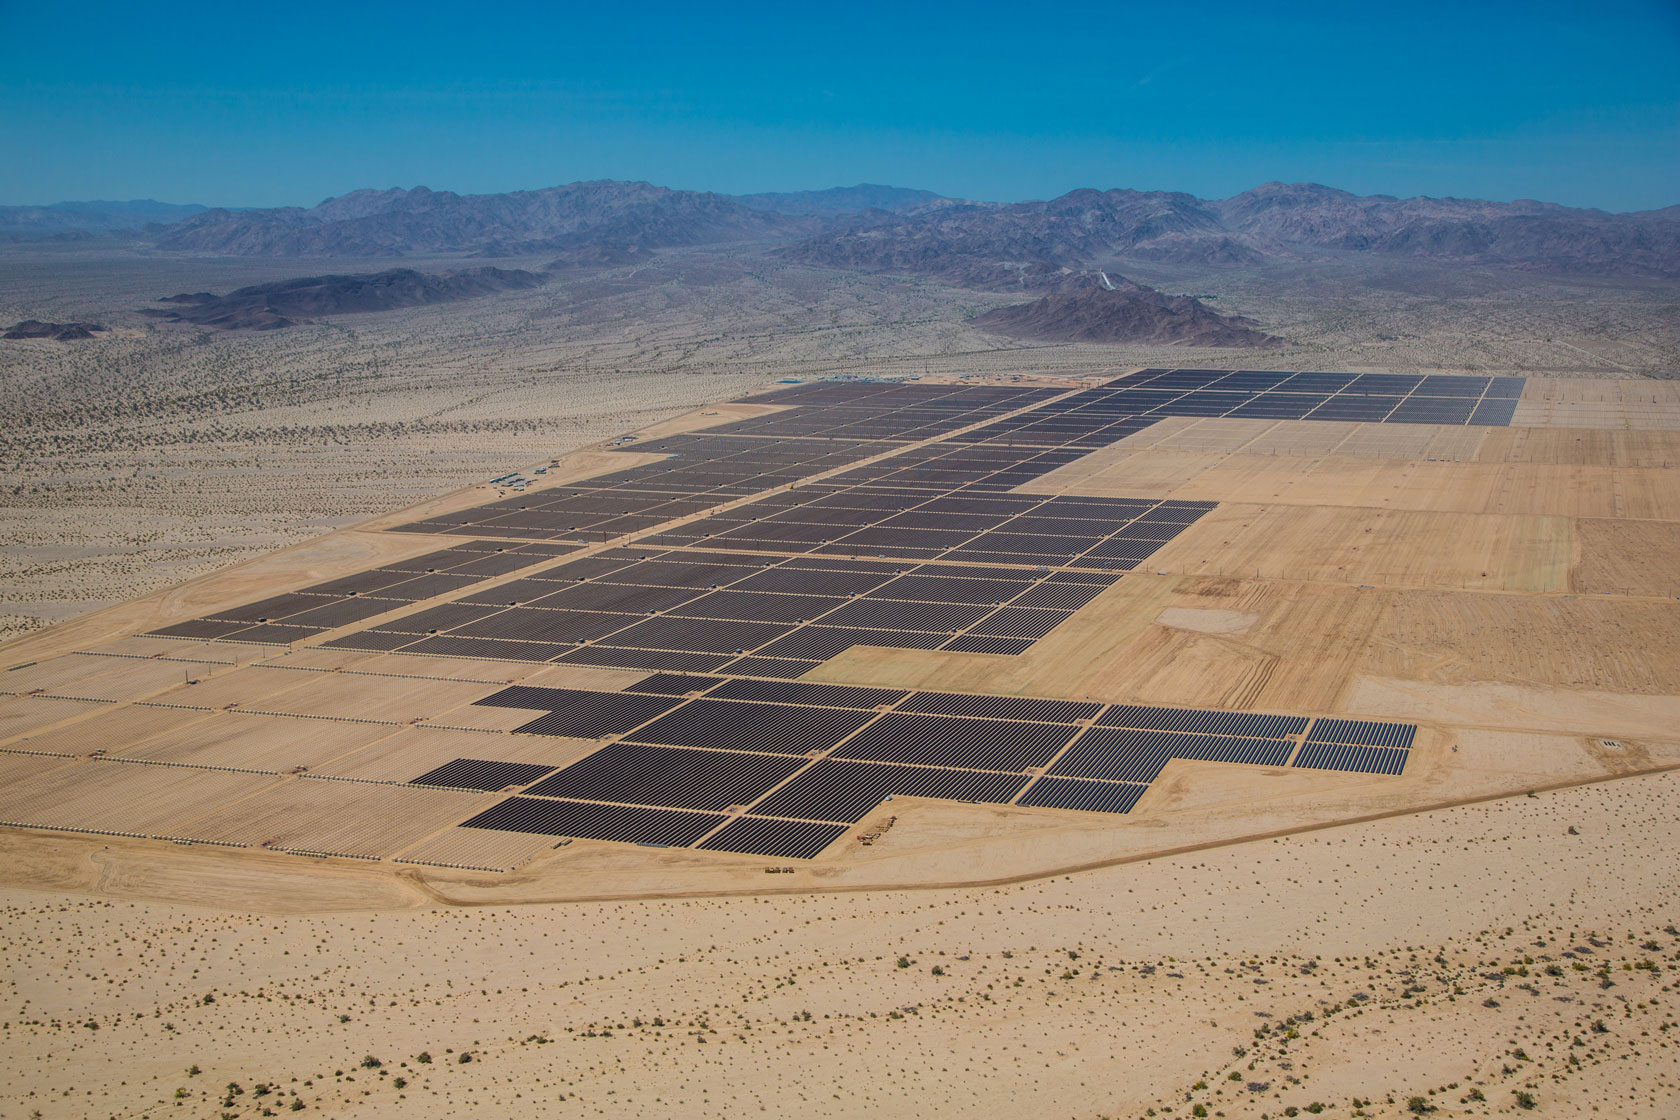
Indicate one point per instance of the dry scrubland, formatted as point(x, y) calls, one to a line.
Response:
point(155, 453)
point(1481, 958)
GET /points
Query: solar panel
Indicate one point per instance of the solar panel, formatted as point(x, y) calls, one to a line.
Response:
point(783, 839)
point(700, 635)
point(673, 684)
point(1000, 707)
point(978, 744)
point(1345, 756)
point(1021, 622)
point(211, 628)
point(845, 791)
point(1494, 412)
point(929, 585)
point(527, 625)
point(1138, 756)
point(873, 613)
point(803, 692)
point(819, 643)
point(1202, 720)
point(1077, 793)
point(446, 616)
point(584, 715)
point(1362, 733)
point(277, 635)
point(669, 776)
point(599, 595)
point(615, 657)
point(373, 640)
point(1447, 385)
point(753, 606)
point(475, 773)
point(781, 728)
point(981, 643)
point(273, 608)
point(626, 823)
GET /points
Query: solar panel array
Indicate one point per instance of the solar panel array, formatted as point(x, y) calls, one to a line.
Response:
point(839, 424)
point(307, 612)
point(951, 501)
point(790, 765)
point(913, 547)
point(1098, 417)
point(692, 611)
point(1345, 744)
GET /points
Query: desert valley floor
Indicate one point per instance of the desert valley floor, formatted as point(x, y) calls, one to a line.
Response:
point(1130, 677)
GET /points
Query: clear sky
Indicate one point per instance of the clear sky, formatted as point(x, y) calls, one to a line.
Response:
point(286, 104)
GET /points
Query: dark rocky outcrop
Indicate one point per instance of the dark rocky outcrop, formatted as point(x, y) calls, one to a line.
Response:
point(287, 302)
point(1124, 312)
point(59, 332)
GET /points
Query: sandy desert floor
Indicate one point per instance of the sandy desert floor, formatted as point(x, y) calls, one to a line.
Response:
point(1478, 958)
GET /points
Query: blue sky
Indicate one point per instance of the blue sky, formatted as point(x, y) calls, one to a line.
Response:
point(263, 105)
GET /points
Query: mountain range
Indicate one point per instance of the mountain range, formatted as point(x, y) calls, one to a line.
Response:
point(63, 218)
point(1276, 221)
point(899, 230)
point(400, 222)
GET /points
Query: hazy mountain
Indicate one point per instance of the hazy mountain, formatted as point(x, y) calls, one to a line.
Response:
point(842, 200)
point(1075, 229)
point(89, 217)
point(1123, 311)
point(894, 229)
point(1088, 227)
point(287, 302)
point(399, 222)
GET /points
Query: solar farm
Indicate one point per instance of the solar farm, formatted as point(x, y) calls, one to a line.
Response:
point(873, 632)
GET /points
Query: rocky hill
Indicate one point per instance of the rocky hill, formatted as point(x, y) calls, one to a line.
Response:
point(58, 332)
point(287, 302)
point(1124, 312)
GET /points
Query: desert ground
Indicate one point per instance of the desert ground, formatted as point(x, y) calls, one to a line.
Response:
point(1465, 956)
point(256, 913)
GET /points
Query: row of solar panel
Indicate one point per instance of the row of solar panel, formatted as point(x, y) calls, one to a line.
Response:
point(943, 729)
point(295, 616)
point(748, 746)
point(702, 470)
point(655, 795)
point(1093, 427)
point(904, 412)
point(842, 788)
point(708, 467)
point(740, 457)
point(714, 605)
point(1447, 385)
